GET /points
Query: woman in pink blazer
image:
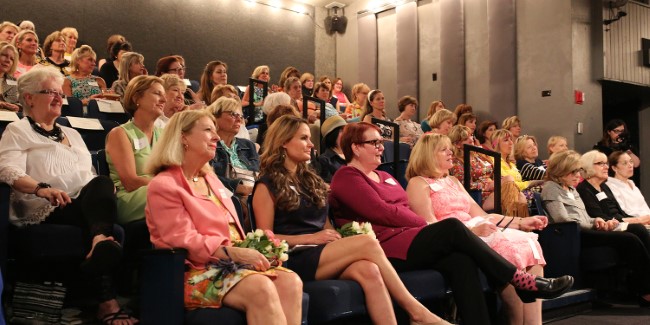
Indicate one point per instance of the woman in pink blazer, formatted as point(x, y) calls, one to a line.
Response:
point(188, 207)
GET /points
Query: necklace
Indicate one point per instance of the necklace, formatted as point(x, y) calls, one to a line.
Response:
point(194, 179)
point(56, 134)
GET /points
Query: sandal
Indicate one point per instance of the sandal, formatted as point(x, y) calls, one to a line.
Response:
point(121, 314)
point(106, 255)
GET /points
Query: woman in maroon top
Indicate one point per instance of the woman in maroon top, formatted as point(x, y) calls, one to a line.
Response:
point(361, 193)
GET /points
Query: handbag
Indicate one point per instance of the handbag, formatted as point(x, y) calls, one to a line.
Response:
point(248, 177)
point(37, 303)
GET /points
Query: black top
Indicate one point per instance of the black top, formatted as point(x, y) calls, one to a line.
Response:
point(328, 163)
point(307, 219)
point(109, 73)
point(604, 205)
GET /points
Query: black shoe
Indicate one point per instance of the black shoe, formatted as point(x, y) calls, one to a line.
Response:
point(547, 288)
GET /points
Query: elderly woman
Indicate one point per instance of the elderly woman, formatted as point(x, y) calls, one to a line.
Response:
point(563, 203)
point(131, 66)
point(8, 31)
point(174, 89)
point(484, 134)
point(442, 121)
point(26, 42)
point(359, 101)
point(599, 199)
point(214, 74)
point(435, 196)
point(322, 92)
point(110, 72)
point(51, 175)
point(8, 86)
point(291, 200)
point(81, 83)
point(625, 192)
point(236, 161)
point(71, 36)
point(556, 143)
point(411, 243)
point(617, 137)
point(187, 207)
point(435, 106)
point(307, 82)
point(261, 72)
point(129, 146)
point(527, 161)
point(271, 102)
point(54, 52)
point(409, 130)
point(512, 124)
point(332, 157)
point(376, 107)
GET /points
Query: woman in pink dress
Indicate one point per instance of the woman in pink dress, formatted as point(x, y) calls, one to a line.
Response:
point(435, 196)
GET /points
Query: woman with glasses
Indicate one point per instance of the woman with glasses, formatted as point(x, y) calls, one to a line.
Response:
point(236, 161)
point(49, 169)
point(436, 196)
point(616, 137)
point(129, 146)
point(291, 200)
point(565, 204)
point(175, 64)
point(625, 192)
point(599, 199)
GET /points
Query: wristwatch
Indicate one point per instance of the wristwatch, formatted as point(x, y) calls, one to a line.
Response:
point(41, 186)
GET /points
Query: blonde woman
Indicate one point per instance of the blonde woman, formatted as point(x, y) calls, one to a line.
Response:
point(556, 143)
point(131, 66)
point(435, 106)
point(442, 121)
point(512, 124)
point(81, 83)
point(359, 98)
point(526, 155)
point(263, 73)
point(8, 31)
point(8, 85)
point(71, 36)
point(26, 42)
point(175, 102)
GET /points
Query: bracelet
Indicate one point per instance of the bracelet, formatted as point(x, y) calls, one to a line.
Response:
point(40, 186)
point(226, 252)
point(508, 224)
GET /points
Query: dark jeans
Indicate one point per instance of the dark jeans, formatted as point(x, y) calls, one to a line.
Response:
point(452, 249)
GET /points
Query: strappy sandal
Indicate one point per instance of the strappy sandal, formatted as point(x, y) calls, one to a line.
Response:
point(111, 318)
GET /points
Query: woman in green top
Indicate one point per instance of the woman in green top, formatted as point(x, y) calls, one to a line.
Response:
point(128, 146)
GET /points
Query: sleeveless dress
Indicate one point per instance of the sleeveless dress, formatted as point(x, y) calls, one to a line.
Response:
point(307, 219)
point(130, 205)
point(448, 200)
point(82, 88)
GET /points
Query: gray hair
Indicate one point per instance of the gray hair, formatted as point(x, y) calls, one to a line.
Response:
point(275, 99)
point(587, 162)
point(32, 82)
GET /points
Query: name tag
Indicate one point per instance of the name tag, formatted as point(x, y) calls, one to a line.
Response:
point(435, 187)
point(601, 196)
point(223, 193)
point(187, 82)
point(141, 143)
point(12, 82)
point(93, 83)
point(391, 181)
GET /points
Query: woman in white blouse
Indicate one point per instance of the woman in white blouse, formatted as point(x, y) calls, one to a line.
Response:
point(49, 169)
point(629, 196)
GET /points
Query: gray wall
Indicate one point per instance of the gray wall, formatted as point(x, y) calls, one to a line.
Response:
point(243, 35)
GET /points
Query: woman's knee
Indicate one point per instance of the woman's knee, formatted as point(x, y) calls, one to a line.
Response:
point(365, 271)
point(258, 289)
point(288, 283)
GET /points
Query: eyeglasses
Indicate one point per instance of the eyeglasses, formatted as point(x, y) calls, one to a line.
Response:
point(601, 163)
point(51, 93)
point(577, 171)
point(376, 143)
point(618, 131)
point(235, 115)
point(177, 70)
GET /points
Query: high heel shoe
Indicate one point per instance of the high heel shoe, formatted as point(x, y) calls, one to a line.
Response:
point(440, 322)
point(547, 288)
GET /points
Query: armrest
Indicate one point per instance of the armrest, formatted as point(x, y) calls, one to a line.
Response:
point(5, 191)
point(161, 296)
point(561, 245)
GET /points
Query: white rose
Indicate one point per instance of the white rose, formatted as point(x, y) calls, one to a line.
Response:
point(367, 227)
point(284, 257)
point(250, 235)
point(268, 248)
point(355, 226)
point(259, 233)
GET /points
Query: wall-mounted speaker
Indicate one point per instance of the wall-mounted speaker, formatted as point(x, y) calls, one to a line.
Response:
point(335, 23)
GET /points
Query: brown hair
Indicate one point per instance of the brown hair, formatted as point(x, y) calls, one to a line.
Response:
point(405, 101)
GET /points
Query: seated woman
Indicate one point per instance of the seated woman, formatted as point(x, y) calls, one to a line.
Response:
point(291, 200)
point(482, 169)
point(236, 161)
point(361, 193)
point(616, 137)
point(187, 207)
point(469, 120)
point(462, 109)
point(527, 161)
point(512, 124)
point(214, 74)
point(484, 134)
point(356, 108)
point(261, 72)
point(442, 121)
point(71, 36)
point(110, 41)
point(512, 200)
point(563, 203)
point(556, 143)
point(110, 71)
point(307, 82)
point(129, 146)
point(54, 52)
point(8, 31)
point(376, 108)
point(435, 196)
point(270, 103)
point(332, 158)
point(322, 92)
point(625, 192)
point(409, 130)
point(175, 102)
point(131, 66)
point(337, 91)
point(287, 73)
point(52, 180)
point(81, 83)
point(26, 42)
point(175, 64)
point(435, 106)
point(599, 199)
point(9, 85)
point(293, 88)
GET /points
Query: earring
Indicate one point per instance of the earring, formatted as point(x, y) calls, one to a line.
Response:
point(185, 146)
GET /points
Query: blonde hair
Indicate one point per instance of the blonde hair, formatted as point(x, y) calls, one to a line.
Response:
point(222, 105)
point(440, 116)
point(457, 134)
point(498, 136)
point(67, 31)
point(20, 36)
point(127, 60)
point(6, 24)
point(553, 140)
point(79, 53)
point(587, 161)
point(432, 108)
point(422, 161)
point(258, 71)
point(510, 122)
point(171, 80)
point(272, 165)
point(7, 46)
point(561, 164)
point(169, 150)
point(219, 91)
point(520, 145)
point(306, 76)
point(134, 90)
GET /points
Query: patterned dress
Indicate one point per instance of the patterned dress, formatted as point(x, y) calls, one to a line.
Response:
point(449, 200)
point(408, 128)
point(83, 88)
point(481, 171)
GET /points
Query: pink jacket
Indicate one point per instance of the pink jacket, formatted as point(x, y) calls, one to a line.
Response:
point(179, 218)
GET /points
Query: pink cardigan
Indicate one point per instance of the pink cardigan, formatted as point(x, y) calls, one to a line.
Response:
point(179, 218)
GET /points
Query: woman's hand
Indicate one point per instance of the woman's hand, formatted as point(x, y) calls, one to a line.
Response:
point(244, 190)
point(612, 224)
point(533, 223)
point(56, 196)
point(9, 106)
point(535, 183)
point(249, 256)
point(489, 186)
point(325, 236)
point(600, 224)
point(484, 229)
